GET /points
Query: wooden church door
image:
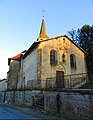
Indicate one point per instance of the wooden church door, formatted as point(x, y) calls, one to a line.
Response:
point(60, 79)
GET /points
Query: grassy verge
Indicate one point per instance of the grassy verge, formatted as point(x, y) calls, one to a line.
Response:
point(64, 116)
point(88, 85)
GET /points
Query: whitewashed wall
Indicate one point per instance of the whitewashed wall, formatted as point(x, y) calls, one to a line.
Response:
point(30, 68)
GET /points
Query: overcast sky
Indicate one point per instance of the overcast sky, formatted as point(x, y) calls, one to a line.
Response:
point(20, 22)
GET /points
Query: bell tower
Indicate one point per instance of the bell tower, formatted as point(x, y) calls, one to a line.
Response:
point(42, 34)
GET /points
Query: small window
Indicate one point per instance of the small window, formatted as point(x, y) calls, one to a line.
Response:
point(53, 57)
point(63, 40)
point(73, 61)
point(63, 58)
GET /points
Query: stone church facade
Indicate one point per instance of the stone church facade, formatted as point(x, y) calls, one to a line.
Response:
point(50, 62)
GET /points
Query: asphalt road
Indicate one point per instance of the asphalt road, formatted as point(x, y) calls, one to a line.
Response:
point(11, 113)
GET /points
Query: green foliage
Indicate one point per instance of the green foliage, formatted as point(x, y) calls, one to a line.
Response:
point(84, 38)
point(88, 85)
point(74, 36)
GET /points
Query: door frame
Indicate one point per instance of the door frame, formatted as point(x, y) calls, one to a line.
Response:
point(60, 79)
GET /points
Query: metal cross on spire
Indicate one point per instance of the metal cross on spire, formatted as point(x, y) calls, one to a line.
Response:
point(43, 34)
point(43, 12)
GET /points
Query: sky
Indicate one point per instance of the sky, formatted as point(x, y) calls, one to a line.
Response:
point(20, 22)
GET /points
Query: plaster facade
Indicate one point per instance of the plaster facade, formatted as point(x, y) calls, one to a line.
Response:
point(61, 45)
point(30, 69)
point(37, 69)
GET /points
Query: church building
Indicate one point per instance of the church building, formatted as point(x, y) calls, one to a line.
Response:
point(53, 62)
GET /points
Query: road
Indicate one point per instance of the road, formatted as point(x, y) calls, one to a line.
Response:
point(11, 113)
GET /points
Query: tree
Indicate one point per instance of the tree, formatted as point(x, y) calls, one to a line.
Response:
point(74, 35)
point(84, 38)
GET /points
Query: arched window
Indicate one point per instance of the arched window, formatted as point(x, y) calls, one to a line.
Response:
point(73, 61)
point(53, 57)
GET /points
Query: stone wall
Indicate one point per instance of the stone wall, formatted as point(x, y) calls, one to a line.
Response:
point(12, 75)
point(27, 97)
point(76, 102)
point(70, 103)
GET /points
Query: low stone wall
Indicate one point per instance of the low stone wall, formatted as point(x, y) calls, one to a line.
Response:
point(19, 97)
point(70, 103)
point(67, 102)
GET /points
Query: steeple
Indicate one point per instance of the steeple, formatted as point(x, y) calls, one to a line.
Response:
point(43, 34)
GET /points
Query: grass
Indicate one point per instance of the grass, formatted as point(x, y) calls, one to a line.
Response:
point(88, 85)
point(64, 116)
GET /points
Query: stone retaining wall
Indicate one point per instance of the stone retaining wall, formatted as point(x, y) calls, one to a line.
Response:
point(19, 97)
point(70, 103)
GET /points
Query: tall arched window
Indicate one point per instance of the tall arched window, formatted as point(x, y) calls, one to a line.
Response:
point(53, 57)
point(73, 61)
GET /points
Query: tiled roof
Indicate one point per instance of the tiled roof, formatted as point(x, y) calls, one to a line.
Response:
point(16, 57)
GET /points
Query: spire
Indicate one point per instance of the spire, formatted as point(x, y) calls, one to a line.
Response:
point(43, 34)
